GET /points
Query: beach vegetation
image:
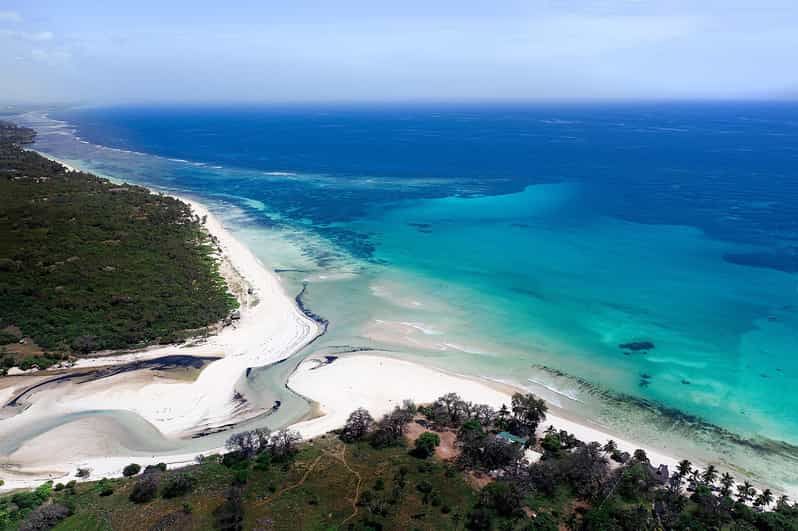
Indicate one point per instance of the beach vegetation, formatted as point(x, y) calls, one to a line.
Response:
point(248, 443)
point(358, 425)
point(425, 444)
point(131, 470)
point(146, 488)
point(87, 264)
point(332, 484)
point(177, 485)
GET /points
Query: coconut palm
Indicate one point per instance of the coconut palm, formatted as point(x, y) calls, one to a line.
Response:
point(745, 492)
point(695, 476)
point(610, 447)
point(726, 484)
point(710, 475)
point(683, 468)
point(783, 502)
point(764, 499)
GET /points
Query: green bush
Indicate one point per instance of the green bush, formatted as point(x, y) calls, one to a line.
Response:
point(178, 485)
point(131, 470)
point(426, 444)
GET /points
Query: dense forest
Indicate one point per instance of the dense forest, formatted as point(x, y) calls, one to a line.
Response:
point(86, 264)
point(450, 465)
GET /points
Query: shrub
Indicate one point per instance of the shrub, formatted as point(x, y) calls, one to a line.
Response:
point(45, 517)
point(160, 467)
point(105, 487)
point(131, 470)
point(241, 477)
point(178, 486)
point(426, 444)
point(145, 489)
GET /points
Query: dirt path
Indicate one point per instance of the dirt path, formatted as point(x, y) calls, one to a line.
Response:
point(295, 485)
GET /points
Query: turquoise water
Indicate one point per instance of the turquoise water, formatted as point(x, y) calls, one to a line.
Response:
point(536, 279)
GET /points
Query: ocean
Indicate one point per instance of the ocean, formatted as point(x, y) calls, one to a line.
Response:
point(635, 264)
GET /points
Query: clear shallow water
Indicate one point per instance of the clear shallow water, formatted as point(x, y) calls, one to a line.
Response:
point(520, 243)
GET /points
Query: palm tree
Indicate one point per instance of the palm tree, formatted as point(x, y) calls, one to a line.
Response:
point(528, 411)
point(610, 447)
point(764, 499)
point(503, 417)
point(710, 475)
point(695, 476)
point(683, 468)
point(745, 492)
point(726, 482)
point(783, 503)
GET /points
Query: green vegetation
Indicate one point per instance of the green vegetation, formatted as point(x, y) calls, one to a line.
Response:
point(426, 444)
point(86, 264)
point(271, 481)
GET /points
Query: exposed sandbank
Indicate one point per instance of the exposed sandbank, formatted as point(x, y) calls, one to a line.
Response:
point(271, 328)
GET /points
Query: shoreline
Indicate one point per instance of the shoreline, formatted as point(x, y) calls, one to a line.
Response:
point(373, 378)
point(271, 328)
point(378, 381)
point(364, 383)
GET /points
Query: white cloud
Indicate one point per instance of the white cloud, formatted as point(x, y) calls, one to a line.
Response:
point(38, 36)
point(10, 16)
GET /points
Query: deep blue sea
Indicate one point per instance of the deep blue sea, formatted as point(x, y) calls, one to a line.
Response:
point(634, 263)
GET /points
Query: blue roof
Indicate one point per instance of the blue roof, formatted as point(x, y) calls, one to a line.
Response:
point(510, 437)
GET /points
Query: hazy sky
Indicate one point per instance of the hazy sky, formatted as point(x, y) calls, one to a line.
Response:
point(287, 50)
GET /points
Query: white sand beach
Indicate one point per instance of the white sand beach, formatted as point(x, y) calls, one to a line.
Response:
point(378, 383)
point(271, 328)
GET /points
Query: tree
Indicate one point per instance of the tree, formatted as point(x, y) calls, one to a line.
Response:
point(449, 409)
point(528, 412)
point(145, 488)
point(610, 447)
point(230, 514)
point(498, 453)
point(640, 456)
point(783, 503)
point(726, 484)
point(683, 468)
point(178, 486)
point(131, 470)
point(248, 443)
point(426, 444)
point(745, 492)
point(586, 469)
point(502, 497)
point(710, 475)
point(391, 428)
point(357, 425)
point(484, 414)
point(764, 499)
point(503, 418)
point(471, 440)
point(282, 444)
point(45, 517)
